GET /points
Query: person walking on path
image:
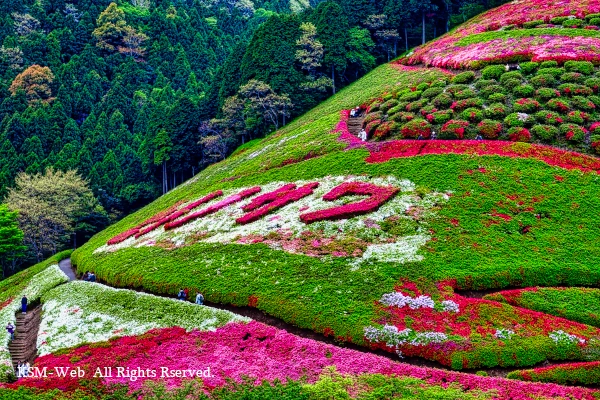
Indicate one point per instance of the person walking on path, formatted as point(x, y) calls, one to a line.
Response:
point(24, 304)
point(10, 328)
point(199, 299)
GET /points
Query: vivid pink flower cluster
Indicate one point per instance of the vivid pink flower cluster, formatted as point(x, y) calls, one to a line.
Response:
point(378, 195)
point(263, 353)
point(264, 204)
point(552, 156)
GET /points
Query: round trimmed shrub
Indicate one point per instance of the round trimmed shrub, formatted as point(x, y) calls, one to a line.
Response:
point(385, 107)
point(583, 67)
point(402, 117)
point(416, 105)
point(517, 119)
point(545, 94)
point(529, 67)
point(595, 100)
point(466, 103)
point(596, 142)
point(533, 24)
point(452, 89)
point(550, 63)
point(415, 128)
point(432, 92)
point(442, 100)
point(578, 117)
point(488, 91)
point(519, 134)
point(422, 86)
point(589, 17)
point(454, 129)
point(555, 71)
point(544, 80)
point(524, 91)
point(510, 84)
point(572, 77)
point(495, 111)
point(410, 96)
point(472, 114)
point(464, 94)
point(549, 117)
point(489, 129)
point(583, 103)
point(428, 110)
point(560, 105)
point(558, 20)
point(497, 97)
point(387, 97)
point(546, 133)
point(593, 83)
point(526, 105)
point(398, 108)
point(464, 77)
point(595, 21)
point(441, 83)
point(573, 132)
point(481, 83)
point(372, 116)
point(371, 126)
point(384, 130)
point(374, 106)
point(440, 117)
point(572, 23)
point(511, 75)
point(595, 128)
point(572, 89)
point(493, 72)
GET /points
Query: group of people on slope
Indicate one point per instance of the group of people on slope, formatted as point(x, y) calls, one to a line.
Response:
point(183, 294)
point(23, 369)
point(89, 277)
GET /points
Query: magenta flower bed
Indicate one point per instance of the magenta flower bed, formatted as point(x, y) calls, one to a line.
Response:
point(276, 199)
point(378, 196)
point(556, 157)
point(262, 353)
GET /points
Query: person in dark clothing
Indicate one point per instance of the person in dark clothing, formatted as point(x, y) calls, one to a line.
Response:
point(10, 328)
point(86, 276)
point(181, 295)
point(92, 277)
point(24, 304)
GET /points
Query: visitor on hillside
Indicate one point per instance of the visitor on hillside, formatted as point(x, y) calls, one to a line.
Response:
point(86, 276)
point(362, 135)
point(433, 135)
point(24, 304)
point(420, 137)
point(181, 295)
point(92, 277)
point(199, 299)
point(19, 369)
point(10, 328)
point(478, 137)
point(353, 113)
point(26, 369)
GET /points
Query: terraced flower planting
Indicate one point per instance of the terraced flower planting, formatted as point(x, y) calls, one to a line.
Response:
point(518, 31)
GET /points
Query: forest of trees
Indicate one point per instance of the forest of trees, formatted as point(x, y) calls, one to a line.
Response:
point(137, 96)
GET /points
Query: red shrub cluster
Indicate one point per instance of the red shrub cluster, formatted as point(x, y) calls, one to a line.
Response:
point(519, 134)
point(266, 203)
point(378, 196)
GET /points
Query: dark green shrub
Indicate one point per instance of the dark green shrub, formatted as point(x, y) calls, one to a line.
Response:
point(593, 83)
point(385, 107)
point(400, 107)
point(374, 106)
point(372, 116)
point(454, 129)
point(533, 24)
point(573, 132)
point(572, 23)
point(415, 128)
point(416, 105)
point(493, 72)
point(511, 75)
point(432, 92)
point(549, 117)
point(555, 72)
point(387, 97)
point(372, 126)
point(488, 91)
point(560, 105)
point(589, 17)
point(464, 94)
point(524, 91)
point(595, 100)
point(440, 117)
point(422, 87)
point(529, 67)
point(545, 80)
point(456, 88)
point(472, 114)
point(519, 134)
point(439, 83)
point(402, 117)
point(595, 21)
point(481, 83)
point(583, 103)
point(442, 100)
point(583, 67)
point(572, 77)
point(550, 63)
point(578, 117)
point(517, 119)
point(466, 103)
point(497, 97)
point(545, 94)
point(526, 105)
point(546, 133)
point(464, 77)
point(410, 96)
point(495, 111)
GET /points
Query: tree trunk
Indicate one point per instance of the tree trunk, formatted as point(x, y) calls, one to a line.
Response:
point(423, 14)
point(164, 177)
point(406, 38)
point(333, 78)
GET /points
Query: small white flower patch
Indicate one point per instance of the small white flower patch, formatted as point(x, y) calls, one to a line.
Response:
point(503, 333)
point(392, 337)
point(400, 300)
point(561, 336)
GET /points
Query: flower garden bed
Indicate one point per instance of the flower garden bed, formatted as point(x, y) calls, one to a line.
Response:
point(587, 373)
point(259, 352)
